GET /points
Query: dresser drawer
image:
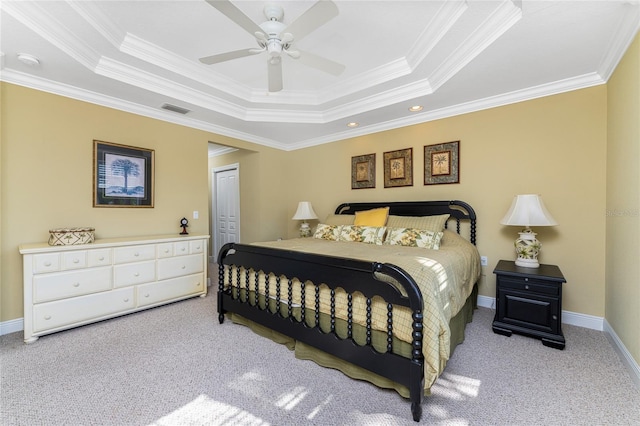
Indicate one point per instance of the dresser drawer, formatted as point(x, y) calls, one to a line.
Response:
point(179, 266)
point(165, 250)
point(43, 263)
point(181, 248)
point(134, 253)
point(70, 284)
point(99, 257)
point(62, 313)
point(529, 285)
point(196, 246)
point(134, 273)
point(74, 259)
point(152, 293)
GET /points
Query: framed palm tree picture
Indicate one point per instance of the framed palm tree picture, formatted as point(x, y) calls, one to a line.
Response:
point(442, 163)
point(122, 175)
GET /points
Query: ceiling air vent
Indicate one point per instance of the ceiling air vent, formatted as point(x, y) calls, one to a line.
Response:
point(174, 108)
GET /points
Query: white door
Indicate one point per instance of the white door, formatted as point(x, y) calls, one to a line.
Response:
point(226, 206)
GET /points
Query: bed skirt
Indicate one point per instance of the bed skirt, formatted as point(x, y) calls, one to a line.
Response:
point(303, 351)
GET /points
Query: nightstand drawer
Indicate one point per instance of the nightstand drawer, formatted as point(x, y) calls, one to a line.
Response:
point(529, 285)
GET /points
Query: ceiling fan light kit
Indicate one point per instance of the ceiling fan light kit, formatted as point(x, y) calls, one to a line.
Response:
point(274, 37)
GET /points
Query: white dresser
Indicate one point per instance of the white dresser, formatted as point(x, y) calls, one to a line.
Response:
point(69, 286)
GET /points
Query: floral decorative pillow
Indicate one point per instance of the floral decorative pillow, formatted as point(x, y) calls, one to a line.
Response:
point(363, 234)
point(413, 237)
point(327, 232)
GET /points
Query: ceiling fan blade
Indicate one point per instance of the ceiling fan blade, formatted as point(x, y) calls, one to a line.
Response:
point(274, 70)
point(321, 63)
point(236, 15)
point(223, 57)
point(316, 16)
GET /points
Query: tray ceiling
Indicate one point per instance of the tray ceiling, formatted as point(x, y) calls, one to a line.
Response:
point(451, 57)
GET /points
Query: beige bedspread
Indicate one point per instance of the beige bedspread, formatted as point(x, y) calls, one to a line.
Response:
point(445, 277)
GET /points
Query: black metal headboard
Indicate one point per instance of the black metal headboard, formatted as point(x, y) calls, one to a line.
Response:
point(458, 210)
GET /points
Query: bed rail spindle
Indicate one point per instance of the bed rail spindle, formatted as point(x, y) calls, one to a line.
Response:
point(368, 321)
point(417, 336)
point(267, 280)
point(458, 225)
point(349, 316)
point(289, 298)
point(333, 311)
point(230, 272)
point(389, 326)
point(317, 306)
point(246, 285)
point(278, 298)
point(256, 285)
point(303, 302)
point(238, 269)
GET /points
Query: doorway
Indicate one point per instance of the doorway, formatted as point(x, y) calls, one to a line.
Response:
point(225, 184)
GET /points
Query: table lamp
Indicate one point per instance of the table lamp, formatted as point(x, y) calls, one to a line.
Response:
point(528, 210)
point(304, 213)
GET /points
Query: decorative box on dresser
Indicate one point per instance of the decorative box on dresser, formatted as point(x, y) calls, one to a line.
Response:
point(529, 301)
point(69, 286)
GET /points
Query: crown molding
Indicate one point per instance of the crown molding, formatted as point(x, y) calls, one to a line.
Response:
point(498, 23)
point(619, 44)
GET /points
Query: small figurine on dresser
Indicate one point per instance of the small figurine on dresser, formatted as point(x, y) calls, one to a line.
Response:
point(184, 223)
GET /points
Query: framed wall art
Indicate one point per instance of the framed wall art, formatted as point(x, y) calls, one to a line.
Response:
point(363, 171)
point(442, 163)
point(123, 176)
point(398, 168)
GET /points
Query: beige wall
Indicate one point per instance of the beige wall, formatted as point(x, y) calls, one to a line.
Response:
point(554, 146)
point(623, 201)
point(46, 176)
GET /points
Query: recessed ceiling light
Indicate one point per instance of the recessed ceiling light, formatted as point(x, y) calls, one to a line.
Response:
point(415, 108)
point(30, 60)
point(353, 124)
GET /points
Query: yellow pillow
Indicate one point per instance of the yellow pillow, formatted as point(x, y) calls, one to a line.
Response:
point(373, 217)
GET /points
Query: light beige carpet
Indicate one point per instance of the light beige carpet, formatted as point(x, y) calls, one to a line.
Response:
point(175, 365)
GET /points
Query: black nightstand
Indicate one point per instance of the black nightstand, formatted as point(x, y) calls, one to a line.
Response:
point(529, 301)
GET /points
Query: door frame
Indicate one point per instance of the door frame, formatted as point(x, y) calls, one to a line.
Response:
point(214, 217)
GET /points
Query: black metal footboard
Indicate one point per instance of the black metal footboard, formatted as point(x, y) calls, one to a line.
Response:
point(246, 261)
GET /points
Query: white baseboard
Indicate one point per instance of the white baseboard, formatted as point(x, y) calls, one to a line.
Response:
point(11, 326)
point(625, 355)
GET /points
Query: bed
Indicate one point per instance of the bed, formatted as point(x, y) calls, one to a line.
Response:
point(378, 309)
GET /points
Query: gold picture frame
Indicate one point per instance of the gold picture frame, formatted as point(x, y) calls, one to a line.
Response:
point(363, 171)
point(442, 163)
point(398, 168)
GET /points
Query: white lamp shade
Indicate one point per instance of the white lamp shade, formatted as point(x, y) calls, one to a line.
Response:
point(304, 212)
point(528, 210)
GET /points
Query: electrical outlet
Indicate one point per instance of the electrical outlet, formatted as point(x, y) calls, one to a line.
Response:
point(484, 261)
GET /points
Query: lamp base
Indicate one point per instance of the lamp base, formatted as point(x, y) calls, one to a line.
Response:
point(527, 249)
point(305, 230)
point(527, 263)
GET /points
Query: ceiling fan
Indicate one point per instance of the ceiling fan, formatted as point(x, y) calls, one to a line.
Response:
point(276, 38)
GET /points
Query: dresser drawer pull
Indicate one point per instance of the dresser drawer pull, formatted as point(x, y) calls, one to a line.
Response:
point(126, 300)
point(166, 250)
point(47, 317)
point(136, 274)
point(184, 267)
point(182, 249)
point(47, 263)
point(146, 295)
point(76, 284)
point(101, 258)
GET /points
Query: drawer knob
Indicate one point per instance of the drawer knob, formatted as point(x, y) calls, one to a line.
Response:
point(47, 263)
point(184, 267)
point(76, 284)
point(101, 258)
point(76, 260)
point(47, 317)
point(146, 295)
point(136, 254)
point(166, 251)
point(555, 317)
point(136, 274)
point(182, 249)
point(126, 300)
